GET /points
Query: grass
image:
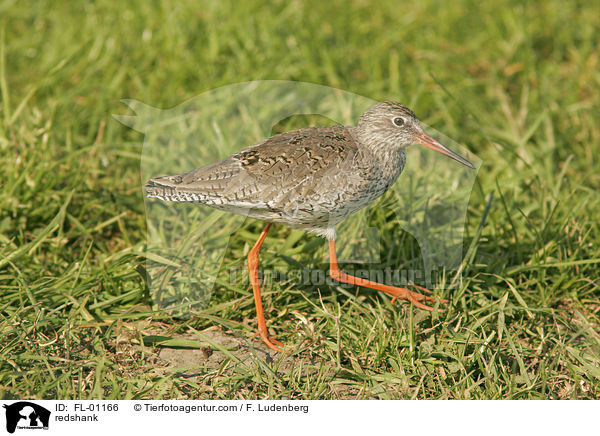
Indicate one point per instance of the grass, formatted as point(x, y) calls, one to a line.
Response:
point(517, 85)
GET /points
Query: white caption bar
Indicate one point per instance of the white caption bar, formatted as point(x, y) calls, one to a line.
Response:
point(152, 417)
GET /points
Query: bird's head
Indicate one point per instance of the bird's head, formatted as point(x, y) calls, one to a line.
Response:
point(389, 122)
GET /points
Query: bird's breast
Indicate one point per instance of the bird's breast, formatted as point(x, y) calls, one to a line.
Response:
point(382, 174)
point(370, 178)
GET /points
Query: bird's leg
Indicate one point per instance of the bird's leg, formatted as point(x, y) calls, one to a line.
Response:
point(414, 297)
point(253, 271)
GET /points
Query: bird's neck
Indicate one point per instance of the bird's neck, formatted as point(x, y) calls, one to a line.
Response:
point(391, 163)
point(390, 159)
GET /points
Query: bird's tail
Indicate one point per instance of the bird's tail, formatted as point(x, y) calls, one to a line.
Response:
point(165, 188)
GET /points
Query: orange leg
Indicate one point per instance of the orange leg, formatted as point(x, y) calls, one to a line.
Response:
point(402, 293)
point(253, 270)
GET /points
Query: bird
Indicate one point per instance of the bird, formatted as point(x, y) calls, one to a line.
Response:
point(312, 179)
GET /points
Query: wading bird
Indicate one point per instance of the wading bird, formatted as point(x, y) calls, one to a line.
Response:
point(309, 179)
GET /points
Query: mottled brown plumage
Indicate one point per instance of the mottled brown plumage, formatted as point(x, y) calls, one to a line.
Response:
point(309, 178)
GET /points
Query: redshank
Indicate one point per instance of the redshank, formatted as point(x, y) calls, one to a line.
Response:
point(310, 179)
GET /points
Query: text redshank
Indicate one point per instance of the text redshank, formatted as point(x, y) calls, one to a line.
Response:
point(309, 179)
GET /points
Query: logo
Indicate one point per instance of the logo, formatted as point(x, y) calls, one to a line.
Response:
point(26, 415)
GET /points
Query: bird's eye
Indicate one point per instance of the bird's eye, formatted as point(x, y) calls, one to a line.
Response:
point(399, 121)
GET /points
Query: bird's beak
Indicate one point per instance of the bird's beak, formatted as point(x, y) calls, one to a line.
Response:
point(428, 141)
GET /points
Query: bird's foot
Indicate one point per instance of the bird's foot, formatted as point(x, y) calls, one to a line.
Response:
point(414, 297)
point(396, 292)
point(272, 343)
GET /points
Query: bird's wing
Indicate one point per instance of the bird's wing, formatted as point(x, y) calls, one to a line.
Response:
point(267, 174)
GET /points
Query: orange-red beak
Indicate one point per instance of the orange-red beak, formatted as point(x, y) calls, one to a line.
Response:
point(428, 141)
